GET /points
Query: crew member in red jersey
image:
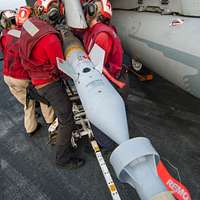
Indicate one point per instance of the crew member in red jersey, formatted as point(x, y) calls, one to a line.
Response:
point(39, 47)
point(15, 76)
point(98, 14)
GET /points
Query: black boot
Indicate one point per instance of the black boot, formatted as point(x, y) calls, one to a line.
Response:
point(72, 163)
point(65, 158)
point(35, 131)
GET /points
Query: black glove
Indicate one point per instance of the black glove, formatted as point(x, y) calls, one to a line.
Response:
point(32, 94)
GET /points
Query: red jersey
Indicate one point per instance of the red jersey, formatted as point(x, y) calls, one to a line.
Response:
point(46, 50)
point(39, 47)
point(10, 47)
point(106, 37)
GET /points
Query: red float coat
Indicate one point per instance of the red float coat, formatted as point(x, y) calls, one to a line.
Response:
point(39, 47)
point(105, 36)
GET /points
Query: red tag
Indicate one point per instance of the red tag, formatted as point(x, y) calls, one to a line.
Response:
point(179, 191)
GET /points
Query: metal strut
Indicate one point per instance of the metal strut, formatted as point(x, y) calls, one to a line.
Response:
point(84, 129)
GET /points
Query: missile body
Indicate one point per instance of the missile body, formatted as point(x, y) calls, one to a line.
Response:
point(134, 160)
point(172, 51)
point(103, 105)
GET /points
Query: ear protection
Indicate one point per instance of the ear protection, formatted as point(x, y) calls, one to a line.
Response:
point(56, 13)
point(53, 14)
point(52, 11)
point(92, 9)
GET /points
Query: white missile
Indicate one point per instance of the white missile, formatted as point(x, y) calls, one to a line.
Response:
point(134, 160)
point(103, 105)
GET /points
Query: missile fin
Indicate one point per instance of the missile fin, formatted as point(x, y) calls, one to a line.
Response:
point(97, 55)
point(65, 67)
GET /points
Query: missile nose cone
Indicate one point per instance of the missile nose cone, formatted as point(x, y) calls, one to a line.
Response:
point(106, 111)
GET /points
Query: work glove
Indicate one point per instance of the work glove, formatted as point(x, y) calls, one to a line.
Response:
point(32, 94)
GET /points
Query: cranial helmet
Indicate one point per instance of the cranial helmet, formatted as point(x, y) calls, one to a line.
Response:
point(50, 10)
point(104, 9)
point(7, 18)
point(23, 14)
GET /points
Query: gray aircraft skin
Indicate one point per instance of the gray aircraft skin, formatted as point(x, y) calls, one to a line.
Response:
point(166, 44)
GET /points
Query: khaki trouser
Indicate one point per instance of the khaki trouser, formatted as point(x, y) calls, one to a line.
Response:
point(18, 89)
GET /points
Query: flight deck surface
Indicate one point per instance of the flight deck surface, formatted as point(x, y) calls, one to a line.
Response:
point(165, 114)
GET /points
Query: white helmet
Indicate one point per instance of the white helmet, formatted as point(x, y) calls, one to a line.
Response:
point(7, 18)
point(51, 9)
point(106, 10)
point(98, 6)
